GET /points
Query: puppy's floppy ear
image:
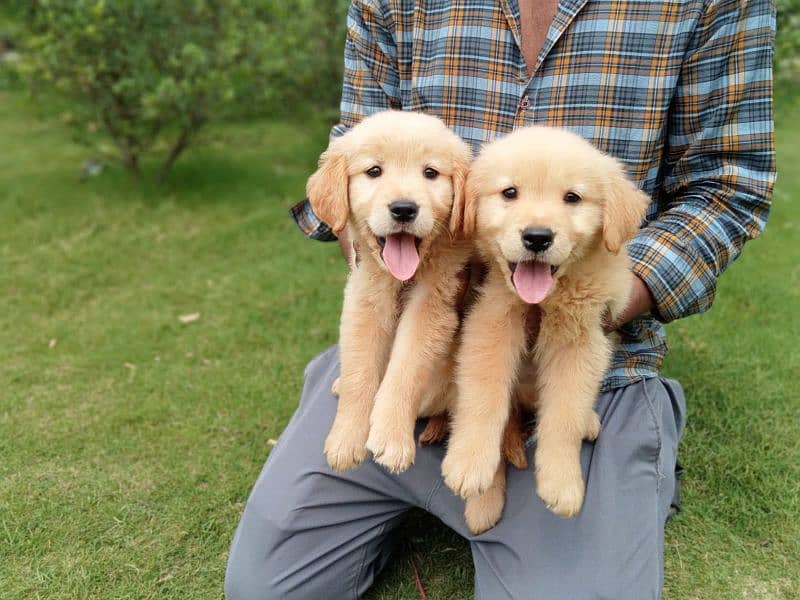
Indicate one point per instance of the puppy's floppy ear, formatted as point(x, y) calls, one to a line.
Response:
point(625, 207)
point(469, 212)
point(327, 188)
point(457, 214)
point(462, 218)
point(461, 155)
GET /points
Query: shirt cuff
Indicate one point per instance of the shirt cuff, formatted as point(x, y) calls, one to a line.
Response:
point(681, 283)
point(309, 223)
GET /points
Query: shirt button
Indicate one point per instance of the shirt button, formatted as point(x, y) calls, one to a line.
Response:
point(524, 103)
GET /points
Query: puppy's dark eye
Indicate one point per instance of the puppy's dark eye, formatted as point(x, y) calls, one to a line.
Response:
point(572, 198)
point(374, 171)
point(430, 173)
point(510, 193)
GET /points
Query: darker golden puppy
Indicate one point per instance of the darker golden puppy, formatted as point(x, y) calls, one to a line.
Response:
point(551, 215)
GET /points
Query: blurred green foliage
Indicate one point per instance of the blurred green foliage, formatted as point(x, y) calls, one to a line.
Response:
point(144, 71)
point(787, 43)
point(152, 73)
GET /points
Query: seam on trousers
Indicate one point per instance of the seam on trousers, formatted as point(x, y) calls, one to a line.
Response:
point(654, 417)
point(436, 487)
point(361, 561)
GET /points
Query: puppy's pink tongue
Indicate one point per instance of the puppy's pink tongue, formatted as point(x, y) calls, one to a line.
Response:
point(400, 255)
point(532, 281)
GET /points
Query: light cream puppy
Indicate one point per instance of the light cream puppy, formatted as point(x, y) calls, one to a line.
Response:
point(392, 181)
point(551, 215)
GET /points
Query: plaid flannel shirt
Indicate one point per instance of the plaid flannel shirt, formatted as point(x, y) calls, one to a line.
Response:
point(679, 90)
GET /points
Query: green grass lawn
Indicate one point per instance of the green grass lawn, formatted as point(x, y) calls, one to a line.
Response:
point(129, 439)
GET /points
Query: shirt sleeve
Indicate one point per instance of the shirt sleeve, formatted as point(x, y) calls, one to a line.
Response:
point(371, 83)
point(719, 167)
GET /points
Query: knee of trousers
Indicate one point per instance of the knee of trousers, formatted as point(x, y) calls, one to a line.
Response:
point(260, 567)
point(239, 587)
point(269, 557)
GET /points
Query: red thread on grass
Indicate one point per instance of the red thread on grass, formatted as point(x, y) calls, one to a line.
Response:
point(417, 579)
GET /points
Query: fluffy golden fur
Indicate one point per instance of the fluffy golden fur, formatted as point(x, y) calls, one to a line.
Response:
point(395, 338)
point(560, 183)
point(484, 510)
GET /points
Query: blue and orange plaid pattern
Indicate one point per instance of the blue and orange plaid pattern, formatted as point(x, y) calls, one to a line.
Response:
point(679, 90)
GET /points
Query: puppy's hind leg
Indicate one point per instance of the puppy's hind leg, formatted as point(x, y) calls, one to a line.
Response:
point(514, 440)
point(484, 511)
point(435, 430)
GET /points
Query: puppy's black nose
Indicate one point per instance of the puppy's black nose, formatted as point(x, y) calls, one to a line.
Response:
point(403, 211)
point(537, 239)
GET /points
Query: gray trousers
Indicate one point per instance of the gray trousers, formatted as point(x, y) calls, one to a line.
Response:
point(310, 533)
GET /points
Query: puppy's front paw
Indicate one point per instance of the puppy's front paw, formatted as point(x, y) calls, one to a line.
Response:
point(560, 486)
point(394, 452)
point(469, 473)
point(344, 447)
point(335, 387)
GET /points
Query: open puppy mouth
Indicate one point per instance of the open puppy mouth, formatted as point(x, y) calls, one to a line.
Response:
point(532, 279)
point(400, 254)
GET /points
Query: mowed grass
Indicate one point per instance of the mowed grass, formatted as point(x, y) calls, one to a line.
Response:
point(129, 439)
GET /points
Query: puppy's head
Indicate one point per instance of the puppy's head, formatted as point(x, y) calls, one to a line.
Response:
point(541, 199)
point(393, 178)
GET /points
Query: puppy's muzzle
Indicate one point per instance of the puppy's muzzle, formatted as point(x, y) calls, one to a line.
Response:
point(403, 211)
point(537, 239)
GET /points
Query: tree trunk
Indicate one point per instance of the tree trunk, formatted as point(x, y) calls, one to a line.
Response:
point(177, 149)
point(131, 162)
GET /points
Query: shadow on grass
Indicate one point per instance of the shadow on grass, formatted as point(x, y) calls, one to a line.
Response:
point(198, 181)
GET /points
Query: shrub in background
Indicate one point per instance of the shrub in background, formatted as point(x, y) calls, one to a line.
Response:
point(787, 42)
point(306, 41)
point(148, 71)
point(11, 34)
point(141, 71)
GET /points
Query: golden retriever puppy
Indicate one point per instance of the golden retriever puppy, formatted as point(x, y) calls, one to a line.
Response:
point(551, 215)
point(392, 181)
